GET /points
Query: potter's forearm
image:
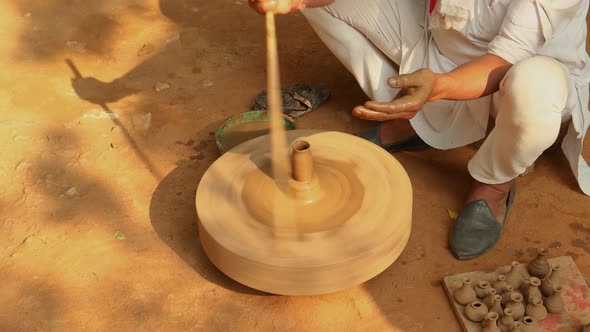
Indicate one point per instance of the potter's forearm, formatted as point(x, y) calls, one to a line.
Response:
point(472, 80)
point(317, 3)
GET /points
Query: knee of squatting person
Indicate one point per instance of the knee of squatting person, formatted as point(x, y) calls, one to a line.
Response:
point(532, 97)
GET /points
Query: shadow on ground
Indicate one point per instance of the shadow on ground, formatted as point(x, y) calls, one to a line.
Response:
point(173, 214)
point(88, 23)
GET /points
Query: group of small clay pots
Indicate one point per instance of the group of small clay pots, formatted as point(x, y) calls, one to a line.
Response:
point(515, 301)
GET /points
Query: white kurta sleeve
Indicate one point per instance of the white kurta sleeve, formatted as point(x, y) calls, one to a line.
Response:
point(520, 35)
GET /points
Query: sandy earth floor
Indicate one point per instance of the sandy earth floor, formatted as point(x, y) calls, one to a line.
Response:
point(71, 176)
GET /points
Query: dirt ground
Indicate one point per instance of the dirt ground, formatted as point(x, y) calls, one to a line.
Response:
point(72, 176)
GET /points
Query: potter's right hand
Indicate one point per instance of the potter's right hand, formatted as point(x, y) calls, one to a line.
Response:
point(416, 89)
point(276, 6)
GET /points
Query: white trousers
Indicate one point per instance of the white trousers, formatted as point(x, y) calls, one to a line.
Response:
point(366, 36)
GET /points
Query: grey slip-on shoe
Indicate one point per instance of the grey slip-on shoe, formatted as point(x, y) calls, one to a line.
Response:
point(476, 230)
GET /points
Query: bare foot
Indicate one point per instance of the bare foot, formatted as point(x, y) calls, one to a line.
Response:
point(495, 196)
point(395, 130)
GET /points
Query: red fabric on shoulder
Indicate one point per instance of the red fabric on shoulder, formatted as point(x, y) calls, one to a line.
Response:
point(432, 4)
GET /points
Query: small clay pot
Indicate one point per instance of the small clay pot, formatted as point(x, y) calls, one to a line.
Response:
point(530, 324)
point(539, 267)
point(523, 271)
point(524, 286)
point(506, 322)
point(533, 291)
point(497, 305)
point(554, 303)
point(500, 284)
point(476, 311)
point(488, 300)
point(517, 327)
point(515, 304)
point(554, 279)
point(465, 294)
point(536, 310)
point(515, 275)
point(481, 290)
point(490, 323)
point(509, 291)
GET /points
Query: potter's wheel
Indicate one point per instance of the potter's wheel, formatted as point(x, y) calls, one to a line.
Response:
point(352, 217)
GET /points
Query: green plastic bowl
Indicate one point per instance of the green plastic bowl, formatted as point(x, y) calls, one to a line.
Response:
point(243, 127)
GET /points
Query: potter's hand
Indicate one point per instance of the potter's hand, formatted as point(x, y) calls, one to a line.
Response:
point(276, 6)
point(416, 90)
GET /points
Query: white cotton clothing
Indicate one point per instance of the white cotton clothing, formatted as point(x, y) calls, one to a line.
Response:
point(450, 14)
point(370, 36)
point(530, 110)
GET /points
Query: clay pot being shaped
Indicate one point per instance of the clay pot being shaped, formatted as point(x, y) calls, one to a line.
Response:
point(539, 267)
point(481, 290)
point(465, 294)
point(529, 324)
point(490, 322)
point(515, 276)
point(496, 305)
point(552, 280)
point(476, 311)
point(533, 291)
point(554, 303)
point(506, 322)
point(488, 300)
point(500, 284)
point(536, 310)
point(515, 304)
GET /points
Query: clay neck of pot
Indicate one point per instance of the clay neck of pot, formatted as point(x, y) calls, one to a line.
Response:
point(541, 252)
point(303, 182)
point(534, 282)
point(527, 321)
point(301, 162)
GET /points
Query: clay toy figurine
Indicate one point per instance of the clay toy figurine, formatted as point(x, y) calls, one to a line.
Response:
point(490, 323)
point(481, 290)
point(500, 284)
point(506, 322)
point(552, 280)
point(476, 311)
point(515, 304)
point(529, 324)
point(536, 310)
point(539, 267)
point(554, 303)
point(465, 294)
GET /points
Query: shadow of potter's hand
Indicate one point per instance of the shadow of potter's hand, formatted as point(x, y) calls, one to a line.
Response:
point(98, 92)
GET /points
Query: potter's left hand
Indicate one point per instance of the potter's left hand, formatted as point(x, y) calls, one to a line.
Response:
point(416, 90)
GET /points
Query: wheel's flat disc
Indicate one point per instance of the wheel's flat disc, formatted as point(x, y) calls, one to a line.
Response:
point(357, 227)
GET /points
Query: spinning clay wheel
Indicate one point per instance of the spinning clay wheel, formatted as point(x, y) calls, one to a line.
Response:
point(348, 215)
